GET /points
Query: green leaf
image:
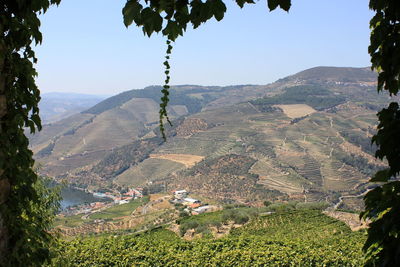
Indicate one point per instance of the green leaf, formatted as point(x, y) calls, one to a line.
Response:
point(272, 4)
point(152, 21)
point(284, 4)
point(242, 2)
point(219, 9)
point(381, 176)
point(131, 12)
point(172, 30)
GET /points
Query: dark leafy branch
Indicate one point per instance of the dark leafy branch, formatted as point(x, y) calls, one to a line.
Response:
point(382, 204)
point(24, 204)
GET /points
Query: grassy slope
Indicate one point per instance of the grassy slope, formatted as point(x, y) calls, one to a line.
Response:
point(119, 210)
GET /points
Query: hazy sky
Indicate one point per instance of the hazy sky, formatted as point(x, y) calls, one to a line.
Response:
point(87, 49)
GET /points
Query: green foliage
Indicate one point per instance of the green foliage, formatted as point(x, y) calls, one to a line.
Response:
point(359, 140)
point(165, 92)
point(360, 163)
point(305, 238)
point(119, 210)
point(383, 202)
point(26, 212)
point(315, 96)
point(312, 206)
point(202, 221)
point(237, 216)
point(36, 220)
point(172, 17)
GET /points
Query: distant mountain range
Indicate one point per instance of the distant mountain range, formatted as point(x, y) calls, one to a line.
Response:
point(306, 136)
point(56, 106)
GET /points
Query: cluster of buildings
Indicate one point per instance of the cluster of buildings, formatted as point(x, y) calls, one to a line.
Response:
point(84, 208)
point(121, 198)
point(128, 196)
point(117, 198)
point(194, 206)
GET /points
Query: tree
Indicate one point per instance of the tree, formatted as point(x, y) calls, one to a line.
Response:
point(382, 204)
point(25, 206)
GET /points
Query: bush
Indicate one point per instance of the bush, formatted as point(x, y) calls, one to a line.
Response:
point(312, 206)
point(188, 225)
point(281, 207)
point(238, 217)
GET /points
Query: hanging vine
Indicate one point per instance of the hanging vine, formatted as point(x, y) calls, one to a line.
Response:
point(165, 91)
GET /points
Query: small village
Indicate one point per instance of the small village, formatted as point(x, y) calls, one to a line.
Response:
point(193, 206)
point(110, 199)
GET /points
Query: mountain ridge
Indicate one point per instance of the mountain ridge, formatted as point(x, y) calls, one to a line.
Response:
point(250, 121)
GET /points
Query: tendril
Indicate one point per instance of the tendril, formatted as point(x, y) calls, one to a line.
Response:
point(165, 91)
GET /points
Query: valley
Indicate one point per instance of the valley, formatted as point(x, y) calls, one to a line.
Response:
point(253, 174)
point(301, 138)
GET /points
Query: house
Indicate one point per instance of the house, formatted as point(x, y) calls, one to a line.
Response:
point(180, 194)
point(190, 201)
point(134, 193)
point(195, 205)
point(202, 209)
point(125, 201)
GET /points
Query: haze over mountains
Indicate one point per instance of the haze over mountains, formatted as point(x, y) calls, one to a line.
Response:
point(57, 106)
point(306, 136)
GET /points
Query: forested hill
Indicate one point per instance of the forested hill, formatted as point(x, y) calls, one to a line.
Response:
point(304, 136)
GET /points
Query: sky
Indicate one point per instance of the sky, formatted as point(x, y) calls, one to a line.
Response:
point(87, 49)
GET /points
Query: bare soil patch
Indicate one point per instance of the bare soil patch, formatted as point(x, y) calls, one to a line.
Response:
point(296, 110)
point(186, 159)
point(351, 219)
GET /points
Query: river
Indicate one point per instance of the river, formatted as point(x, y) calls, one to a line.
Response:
point(71, 197)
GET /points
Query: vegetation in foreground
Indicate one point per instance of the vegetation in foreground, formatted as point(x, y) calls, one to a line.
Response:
point(288, 238)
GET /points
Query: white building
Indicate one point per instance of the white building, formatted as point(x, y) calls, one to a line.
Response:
point(202, 209)
point(189, 201)
point(180, 194)
point(125, 201)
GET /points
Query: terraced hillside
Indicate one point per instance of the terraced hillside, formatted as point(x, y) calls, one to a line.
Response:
point(78, 142)
point(302, 138)
point(301, 160)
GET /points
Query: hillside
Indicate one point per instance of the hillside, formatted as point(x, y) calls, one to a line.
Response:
point(305, 137)
point(76, 142)
point(336, 75)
